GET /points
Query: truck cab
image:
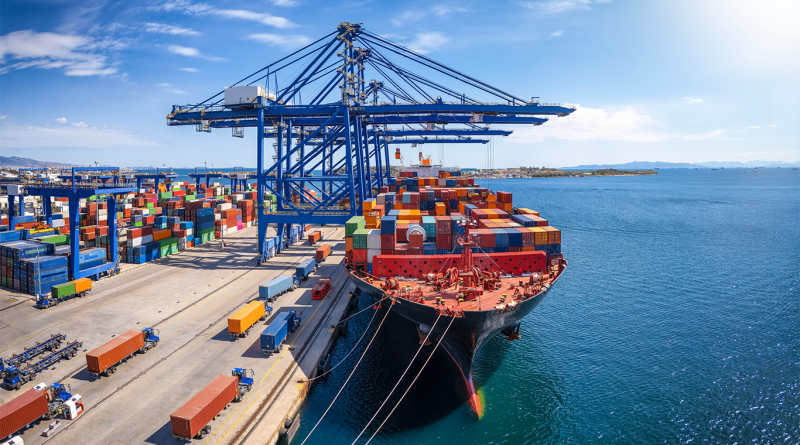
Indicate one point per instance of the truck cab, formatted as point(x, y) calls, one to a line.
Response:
point(44, 301)
point(60, 391)
point(14, 379)
point(245, 377)
point(151, 338)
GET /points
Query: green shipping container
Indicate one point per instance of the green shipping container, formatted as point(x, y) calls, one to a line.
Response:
point(58, 240)
point(62, 290)
point(165, 195)
point(168, 242)
point(360, 239)
point(353, 224)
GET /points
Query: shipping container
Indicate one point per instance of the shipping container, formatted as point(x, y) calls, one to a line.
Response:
point(99, 359)
point(322, 252)
point(315, 236)
point(274, 334)
point(239, 324)
point(193, 418)
point(305, 268)
point(21, 411)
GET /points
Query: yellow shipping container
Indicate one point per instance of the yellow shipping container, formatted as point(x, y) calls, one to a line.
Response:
point(539, 235)
point(245, 317)
point(525, 211)
point(440, 209)
point(366, 206)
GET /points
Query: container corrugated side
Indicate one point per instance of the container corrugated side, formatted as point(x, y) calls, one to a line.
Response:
point(102, 357)
point(21, 411)
point(201, 409)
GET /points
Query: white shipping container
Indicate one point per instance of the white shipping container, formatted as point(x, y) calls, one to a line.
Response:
point(58, 223)
point(147, 239)
point(371, 254)
point(133, 242)
point(374, 239)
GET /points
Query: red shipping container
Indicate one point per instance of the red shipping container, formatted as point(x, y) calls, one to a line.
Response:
point(444, 225)
point(388, 242)
point(400, 249)
point(360, 256)
point(402, 233)
point(21, 411)
point(198, 412)
point(444, 241)
point(103, 357)
point(504, 197)
point(415, 241)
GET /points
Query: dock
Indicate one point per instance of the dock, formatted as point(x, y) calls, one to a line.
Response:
point(188, 297)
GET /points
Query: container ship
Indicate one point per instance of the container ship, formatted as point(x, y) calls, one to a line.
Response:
point(457, 260)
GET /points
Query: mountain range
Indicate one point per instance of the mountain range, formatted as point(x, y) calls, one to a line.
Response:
point(16, 162)
point(647, 165)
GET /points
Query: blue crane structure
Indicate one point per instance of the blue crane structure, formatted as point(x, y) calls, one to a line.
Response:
point(327, 118)
point(81, 183)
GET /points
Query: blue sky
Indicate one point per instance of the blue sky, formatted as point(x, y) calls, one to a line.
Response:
point(679, 81)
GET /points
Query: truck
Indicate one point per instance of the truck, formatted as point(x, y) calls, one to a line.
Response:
point(322, 252)
point(193, 419)
point(273, 336)
point(54, 342)
point(271, 290)
point(40, 403)
point(314, 236)
point(16, 377)
point(104, 359)
point(240, 323)
point(320, 290)
point(61, 292)
point(305, 268)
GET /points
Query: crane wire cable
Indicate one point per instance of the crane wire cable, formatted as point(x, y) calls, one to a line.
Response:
point(351, 351)
point(399, 380)
point(348, 377)
point(412, 382)
point(362, 310)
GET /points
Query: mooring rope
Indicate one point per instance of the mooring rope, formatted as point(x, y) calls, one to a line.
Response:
point(412, 382)
point(399, 380)
point(348, 377)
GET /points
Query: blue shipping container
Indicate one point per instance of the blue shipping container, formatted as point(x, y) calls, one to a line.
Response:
point(274, 335)
point(275, 287)
point(305, 267)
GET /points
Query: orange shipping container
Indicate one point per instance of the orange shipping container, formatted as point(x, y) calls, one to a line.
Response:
point(245, 317)
point(553, 235)
point(22, 411)
point(539, 235)
point(82, 284)
point(161, 234)
point(103, 357)
point(323, 251)
point(201, 409)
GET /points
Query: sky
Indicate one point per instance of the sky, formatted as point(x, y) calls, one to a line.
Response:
point(662, 80)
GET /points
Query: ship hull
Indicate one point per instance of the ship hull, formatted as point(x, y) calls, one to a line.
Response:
point(465, 336)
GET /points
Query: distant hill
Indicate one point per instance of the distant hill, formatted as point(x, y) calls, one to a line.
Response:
point(17, 162)
point(645, 165)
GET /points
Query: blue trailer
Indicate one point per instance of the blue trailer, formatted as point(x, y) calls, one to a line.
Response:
point(306, 267)
point(274, 335)
point(16, 377)
point(271, 290)
point(53, 343)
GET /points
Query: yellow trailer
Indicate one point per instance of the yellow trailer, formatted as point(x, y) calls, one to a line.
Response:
point(240, 323)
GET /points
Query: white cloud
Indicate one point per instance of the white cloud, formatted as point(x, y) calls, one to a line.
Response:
point(191, 52)
point(284, 41)
point(752, 127)
point(80, 124)
point(426, 42)
point(61, 120)
point(162, 28)
point(286, 3)
point(597, 124)
point(168, 87)
point(558, 33)
point(558, 6)
point(200, 9)
point(188, 70)
point(773, 125)
point(409, 16)
point(30, 136)
point(5, 116)
point(442, 10)
point(76, 55)
point(693, 99)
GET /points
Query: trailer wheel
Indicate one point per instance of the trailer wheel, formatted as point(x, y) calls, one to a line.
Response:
point(238, 398)
point(74, 353)
point(201, 434)
point(32, 377)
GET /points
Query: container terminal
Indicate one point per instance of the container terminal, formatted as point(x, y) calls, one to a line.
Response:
point(137, 308)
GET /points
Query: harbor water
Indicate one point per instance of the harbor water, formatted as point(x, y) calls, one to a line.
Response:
point(676, 322)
